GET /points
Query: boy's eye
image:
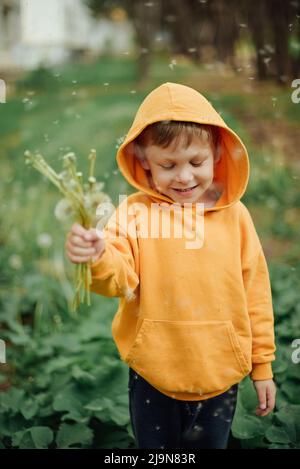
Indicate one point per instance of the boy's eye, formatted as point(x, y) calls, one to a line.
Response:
point(170, 167)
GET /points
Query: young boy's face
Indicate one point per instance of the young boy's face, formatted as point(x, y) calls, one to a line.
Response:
point(175, 168)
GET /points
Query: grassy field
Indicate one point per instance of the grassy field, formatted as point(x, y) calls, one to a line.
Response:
point(83, 106)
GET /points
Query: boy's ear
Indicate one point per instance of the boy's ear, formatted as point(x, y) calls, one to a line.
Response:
point(217, 155)
point(140, 156)
point(144, 163)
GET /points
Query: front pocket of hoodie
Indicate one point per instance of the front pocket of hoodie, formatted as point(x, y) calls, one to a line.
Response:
point(188, 356)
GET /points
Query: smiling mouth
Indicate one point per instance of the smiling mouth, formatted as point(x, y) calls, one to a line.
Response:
point(189, 189)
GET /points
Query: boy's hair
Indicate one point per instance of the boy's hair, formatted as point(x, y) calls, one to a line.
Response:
point(163, 133)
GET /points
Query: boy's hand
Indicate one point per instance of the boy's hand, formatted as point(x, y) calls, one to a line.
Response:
point(83, 245)
point(266, 392)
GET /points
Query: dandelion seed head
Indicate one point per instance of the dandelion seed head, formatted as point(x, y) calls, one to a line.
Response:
point(15, 261)
point(44, 240)
point(63, 210)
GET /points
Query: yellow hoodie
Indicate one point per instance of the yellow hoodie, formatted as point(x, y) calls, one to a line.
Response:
point(191, 321)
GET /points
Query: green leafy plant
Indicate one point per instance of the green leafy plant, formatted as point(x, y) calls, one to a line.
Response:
point(68, 389)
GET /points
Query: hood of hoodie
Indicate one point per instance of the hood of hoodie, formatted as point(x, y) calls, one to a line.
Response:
point(174, 101)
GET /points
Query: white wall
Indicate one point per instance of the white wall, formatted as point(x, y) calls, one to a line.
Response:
point(47, 31)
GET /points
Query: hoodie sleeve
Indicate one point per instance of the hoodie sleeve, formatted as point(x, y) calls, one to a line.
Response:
point(116, 272)
point(259, 299)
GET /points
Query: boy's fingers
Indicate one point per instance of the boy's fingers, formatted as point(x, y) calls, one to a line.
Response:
point(81, 251)
point(79, 241)
point(262, 399)
point(77, 229)
point(93, 235)
point(79, 259)
point(271, 398)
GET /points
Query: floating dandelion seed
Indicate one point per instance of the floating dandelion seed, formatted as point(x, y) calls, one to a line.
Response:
point(266, 60)
point(172, 64)
point(129, 294)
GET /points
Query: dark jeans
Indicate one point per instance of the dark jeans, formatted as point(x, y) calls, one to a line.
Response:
point(161, 422)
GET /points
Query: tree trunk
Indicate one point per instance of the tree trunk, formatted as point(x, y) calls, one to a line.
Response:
point(279, 15)
point(145, 18)
point(256, 16)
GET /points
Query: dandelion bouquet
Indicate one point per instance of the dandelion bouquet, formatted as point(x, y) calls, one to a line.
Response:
point(80, 202)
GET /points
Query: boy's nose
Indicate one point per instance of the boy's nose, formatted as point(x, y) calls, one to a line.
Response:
point(184, 177)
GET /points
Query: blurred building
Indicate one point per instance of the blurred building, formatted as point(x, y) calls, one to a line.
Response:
point(49, 32)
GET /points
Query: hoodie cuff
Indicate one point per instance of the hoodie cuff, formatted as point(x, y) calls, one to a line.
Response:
point(261, 371)
point(102, 267)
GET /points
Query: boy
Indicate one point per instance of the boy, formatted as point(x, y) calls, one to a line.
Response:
point(194, 318)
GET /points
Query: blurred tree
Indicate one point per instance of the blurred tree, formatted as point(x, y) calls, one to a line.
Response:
point(145, 18)
point(280, 17)
point(271, 25)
